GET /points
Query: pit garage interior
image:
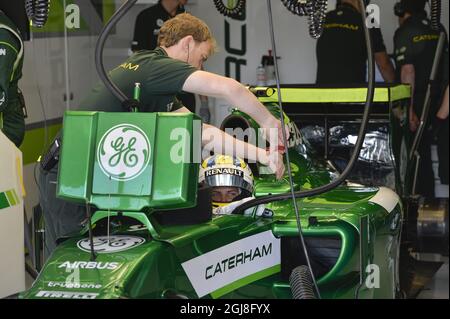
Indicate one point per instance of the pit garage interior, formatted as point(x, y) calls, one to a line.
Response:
point(374, 223)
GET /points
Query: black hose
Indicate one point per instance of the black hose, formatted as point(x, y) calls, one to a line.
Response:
point(37, 11)
point(358, 146)
point(301, 283)
point(435, 12)
point(101, 45)
point(291, 181)
point(230, 12)
point(316, 10)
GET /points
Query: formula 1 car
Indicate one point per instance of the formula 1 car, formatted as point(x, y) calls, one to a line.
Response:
point(154, 234)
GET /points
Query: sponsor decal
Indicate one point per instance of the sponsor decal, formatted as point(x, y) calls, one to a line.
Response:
point(352, 27)
point(129, 66)
point(124, 152)
point(111, 244)
point(220, 171)
point(426, 37)
point(73, 285)
point(66, 295)
point(234, 265)
point(90, 265)
point(3, 52)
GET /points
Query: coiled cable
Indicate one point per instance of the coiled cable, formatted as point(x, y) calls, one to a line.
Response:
point(435, 10)
point(316, 10)
point(227, 11)
point(37, 11)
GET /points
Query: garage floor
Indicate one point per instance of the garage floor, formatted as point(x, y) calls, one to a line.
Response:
point(438, 287)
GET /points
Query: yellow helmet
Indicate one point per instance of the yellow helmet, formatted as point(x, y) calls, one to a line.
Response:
point(224, 170)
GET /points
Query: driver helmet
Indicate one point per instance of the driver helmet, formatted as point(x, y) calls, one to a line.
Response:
point(230, 177)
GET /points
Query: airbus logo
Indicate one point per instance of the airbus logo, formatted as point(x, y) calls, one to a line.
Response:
point(89, 265)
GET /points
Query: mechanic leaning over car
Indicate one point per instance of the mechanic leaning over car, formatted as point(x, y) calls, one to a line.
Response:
point(341, 52)
point(185, 42)
point(415, 44)
point(12, 122)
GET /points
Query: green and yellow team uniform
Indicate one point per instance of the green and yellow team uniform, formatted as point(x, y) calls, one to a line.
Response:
point(12, 121)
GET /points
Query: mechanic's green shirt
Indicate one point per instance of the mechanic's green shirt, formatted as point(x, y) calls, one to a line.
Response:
point(160, 76)
point(415, 43)
point(12, 121)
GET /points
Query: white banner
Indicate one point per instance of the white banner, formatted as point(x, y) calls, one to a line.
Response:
point(233, 262)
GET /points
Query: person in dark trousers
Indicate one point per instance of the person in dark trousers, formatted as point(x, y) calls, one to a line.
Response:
point(341, 51)
point(415, 44)
point(441, 133)
point(12, 122)
point(146, 31)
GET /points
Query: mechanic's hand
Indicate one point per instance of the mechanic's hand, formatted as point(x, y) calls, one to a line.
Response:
point(413, 121)
point(270, 126)
point(276, 163)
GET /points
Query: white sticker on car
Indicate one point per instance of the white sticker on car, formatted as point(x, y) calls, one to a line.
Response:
point(238, 263)
point(386, 198)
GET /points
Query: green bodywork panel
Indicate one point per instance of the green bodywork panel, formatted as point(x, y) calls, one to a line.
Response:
point(162, 258)
point(112, 163)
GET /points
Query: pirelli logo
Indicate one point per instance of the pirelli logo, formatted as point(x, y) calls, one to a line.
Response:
point(66, 295)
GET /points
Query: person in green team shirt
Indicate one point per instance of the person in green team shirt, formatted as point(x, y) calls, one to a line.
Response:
point(185, 43)
point(12, 122)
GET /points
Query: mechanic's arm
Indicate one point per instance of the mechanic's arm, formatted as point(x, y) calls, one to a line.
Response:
point(386, 67)
point(209, 84)
point(408, 76)
point(442, 114)
point(214, 139)
point(381, 57)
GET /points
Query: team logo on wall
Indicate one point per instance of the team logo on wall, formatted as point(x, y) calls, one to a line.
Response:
point(123, 152)
point(111, 244)
point(235, 9)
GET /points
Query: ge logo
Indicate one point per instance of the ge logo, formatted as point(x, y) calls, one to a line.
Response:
point(123, 152)
point(111, 244)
